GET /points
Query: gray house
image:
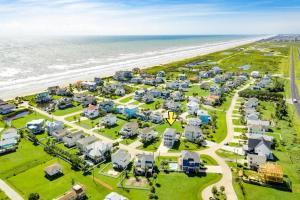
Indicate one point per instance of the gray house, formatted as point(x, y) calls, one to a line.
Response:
point(144, 163)
point(193, 133)
point(82, 143)
point(260, 145)
point(129, 129)
point(170, 137)
point(70, 139)
point(120, 159)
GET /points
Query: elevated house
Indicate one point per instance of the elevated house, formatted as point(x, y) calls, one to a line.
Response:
point(170, 137)
point(155, 93)
point(172, 106)
point(53, 171)
point(36, 126)
point(53, 90)
point(182, 77)
point(189, 162)
point(212, 100)
point(139, 94)
point(177, 96)
point(123, 75)
point(216, 70)
point(193, 121)
point(82, 143)
point(64, 92)
point(98, 81)
point(156, 118)
point(136, 80)
point(144, 164)
point(148, 98)
point(9, 134)
point(255, 74)
point(64, 103)
point(42, 97)
point(70, 139)
point(53, 126)
point(147, 135)
point(193, 133)
point(106, 106)
point(120, 91)
point(192, 107)
point(129, 129)
point(259, 145)
point(120, 159)
point(8, 145)
point(91, 112)
point(144, 115)
point(251, 103)
point(258, 126)
point(204, 116)
point(58, 135)
point(161, 74)
point(6, 108)
point(109, 120)
point(97, 151)
point(88, 85)
point(255, 160)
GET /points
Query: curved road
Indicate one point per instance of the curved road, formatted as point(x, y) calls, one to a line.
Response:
point(226, 179)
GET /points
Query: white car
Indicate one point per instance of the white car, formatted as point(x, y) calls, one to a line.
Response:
point(295, 101)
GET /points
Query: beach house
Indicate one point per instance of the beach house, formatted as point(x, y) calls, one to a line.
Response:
point(91, 112)
point(6, 108)
point(144, 164)
point(120, 159)
point(260, 145)
point(10, 133)
point(114, 196)
point(156, 118)
point(169, 137)
point(8, 145)
point(53, 171)
point(147, 135)
point(53, 126)
point(129, 129)
point(97, 151)
point(258, 126)
point(42, 97)
point(192, 107)
point(82, 143)
point(193, 134)
point(193, 121)
point(123, 75)
point(35, 126)
point(106, 106)
point(70, 139)
point(189, 162)
point(109, 120)
point(204, 116)
point(88, 85)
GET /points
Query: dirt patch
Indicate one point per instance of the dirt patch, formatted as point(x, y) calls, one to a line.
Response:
point(140, 182)
point(103, 184)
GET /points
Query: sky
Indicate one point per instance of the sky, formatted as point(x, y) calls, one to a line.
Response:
point(148, 17)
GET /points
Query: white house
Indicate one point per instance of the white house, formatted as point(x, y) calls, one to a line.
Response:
point(96, 151)
point(170, 137)
point(91, 111)
point(54, 126)
point(120, 159)
point(192, 107)
point(193, 133)
point(109, 120)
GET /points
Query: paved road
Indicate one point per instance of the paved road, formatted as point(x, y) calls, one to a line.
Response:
point(293, 86)
point(9, 191)
point(226, 179)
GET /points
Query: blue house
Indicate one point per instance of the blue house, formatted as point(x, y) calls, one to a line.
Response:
point(43, 97)
point(203, 116)
point(130, 111)
point(189, 162)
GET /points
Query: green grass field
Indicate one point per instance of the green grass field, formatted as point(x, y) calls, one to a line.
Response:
point(21, 122)
point(26, 156)
point(3, 196)
point(68, 110)
point(208, 160)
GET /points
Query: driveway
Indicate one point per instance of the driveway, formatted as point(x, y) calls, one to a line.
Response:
point(12, 194)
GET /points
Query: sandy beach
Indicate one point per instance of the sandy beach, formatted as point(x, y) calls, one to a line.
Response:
point(35, 84)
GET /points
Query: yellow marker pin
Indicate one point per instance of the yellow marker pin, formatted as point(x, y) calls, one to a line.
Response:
point(171, 118)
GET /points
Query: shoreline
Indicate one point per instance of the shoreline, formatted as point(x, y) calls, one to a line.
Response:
point(28, 87)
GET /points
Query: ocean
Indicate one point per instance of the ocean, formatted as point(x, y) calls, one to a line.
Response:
point(28, 64)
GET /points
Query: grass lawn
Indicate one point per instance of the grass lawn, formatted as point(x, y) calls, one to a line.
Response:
point(71, 118)
point(130, 140)
point(186, 145)
point(21, 122)
point(88, 123)
point(151, 106)
point(208, 160)
point(198, 90)
point(151, 147)
point(25, 184)
point(26, 156)
point(162, 127)
point(178, 186)
point(68, 110)
point(221, 129)
point(127, 99)
point(112, 132)
point(237, 122)
point(3, 196)
point(2, 124)
point(240, 130)
point(228, 154)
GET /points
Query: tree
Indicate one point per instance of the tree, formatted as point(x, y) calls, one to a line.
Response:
point(222, 189)
point(214, 190)
point(34, 196)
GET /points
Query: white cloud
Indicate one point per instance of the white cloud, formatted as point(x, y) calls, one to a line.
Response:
point(74, 17)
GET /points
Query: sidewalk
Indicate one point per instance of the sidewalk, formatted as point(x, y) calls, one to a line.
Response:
point(9, 191)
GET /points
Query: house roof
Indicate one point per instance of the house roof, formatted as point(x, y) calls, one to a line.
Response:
point(170, 132)
point(115, 196)
point(121, 154)
point(194, 129)
point(53, 169)
point(258, 123)
point(190, 155)
point(145, 157)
